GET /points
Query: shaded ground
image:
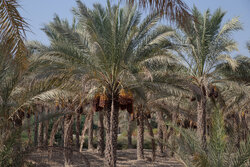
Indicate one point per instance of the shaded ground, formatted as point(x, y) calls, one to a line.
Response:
point(55, 157)
point(126, 158)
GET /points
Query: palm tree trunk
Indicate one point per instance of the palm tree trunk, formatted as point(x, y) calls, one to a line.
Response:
point(78, 125)
point(244, 126)
point(112, 131)
point(29, 130)
point(101, 142)
point(90, 132)
point(54, 130)
point(68, 124)
point(164, 130)
point(18, 139)
point(41, 127)
point(237, 129)
point(61, 131)
point(36, 117)
point(201, 120)
point(40, 134)
point(171, 132)
point(85, 127)
point(53, 133)
point(71, 134)
point(129, 131)
point(46, 128)
point(160, 138)
point(152, 138)
point(140, 135)
point(159, 132)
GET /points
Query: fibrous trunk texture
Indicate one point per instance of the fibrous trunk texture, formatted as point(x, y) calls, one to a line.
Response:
point(36, 117)
point(29, 131)
point(171, 132)
point(61, 132)
point(78, 125)
point(85, 127)
point(16, 145)
point(166, 134)
point(201, 120)
point(90, 132)
point(140, 134)
point(244, 126)
point(54, 130)
point(46, 128)
point(129, 131)
point(101, 135)
point(150, 130)
point(112, 115)
point(41, 126)
point(159, 131)
point(237, 129)
point(68, 124)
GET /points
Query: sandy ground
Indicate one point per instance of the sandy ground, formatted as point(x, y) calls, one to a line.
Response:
point(126, 158)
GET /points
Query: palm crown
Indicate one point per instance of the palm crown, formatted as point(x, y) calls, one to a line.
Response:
point(206, 43)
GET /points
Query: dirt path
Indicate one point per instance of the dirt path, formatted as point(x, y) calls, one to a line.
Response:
point(126, 158)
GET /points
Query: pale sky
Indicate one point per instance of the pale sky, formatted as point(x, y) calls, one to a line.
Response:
point(40, 12)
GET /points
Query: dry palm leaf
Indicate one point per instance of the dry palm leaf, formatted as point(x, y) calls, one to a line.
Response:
point(174, 10)
point(12, 30)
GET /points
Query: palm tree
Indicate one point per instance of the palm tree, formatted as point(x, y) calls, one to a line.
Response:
point(236, 94)
point(104, 46)
point(200, 48)
point(220, 152)
point(15, 98)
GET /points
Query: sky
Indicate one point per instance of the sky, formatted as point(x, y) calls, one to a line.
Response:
point(40, 12)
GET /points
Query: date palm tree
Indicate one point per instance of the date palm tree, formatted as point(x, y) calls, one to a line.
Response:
point(236, 95)
point(200, 48)
point(106, 46)
point(220, 151)
point(15, 99)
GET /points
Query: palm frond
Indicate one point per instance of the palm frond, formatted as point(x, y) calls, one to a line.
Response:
point(174, 10)
point(13, 28)
point(242, 155)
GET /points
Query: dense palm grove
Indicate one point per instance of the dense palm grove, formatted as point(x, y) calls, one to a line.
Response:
point(113, 72)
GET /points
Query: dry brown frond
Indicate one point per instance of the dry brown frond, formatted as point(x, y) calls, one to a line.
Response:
point(174, 10)
point(12, 30)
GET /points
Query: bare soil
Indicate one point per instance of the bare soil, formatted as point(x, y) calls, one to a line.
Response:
point(126, 158)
